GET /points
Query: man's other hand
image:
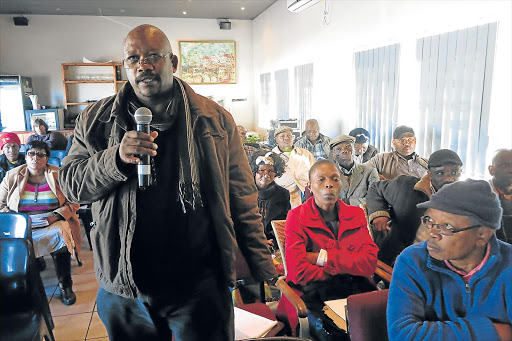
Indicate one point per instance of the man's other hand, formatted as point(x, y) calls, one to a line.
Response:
point(136, 143)
point(381, 224)
point(504, 331)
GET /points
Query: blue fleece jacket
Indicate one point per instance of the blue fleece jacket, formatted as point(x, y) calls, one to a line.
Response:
point(428, 301)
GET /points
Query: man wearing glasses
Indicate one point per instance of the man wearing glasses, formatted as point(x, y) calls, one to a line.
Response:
point(164, 255)
point(392, 208)
point(403, 160)
point(455, 285)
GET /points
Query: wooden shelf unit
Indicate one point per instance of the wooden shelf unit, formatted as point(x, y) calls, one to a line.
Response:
point(79, 92)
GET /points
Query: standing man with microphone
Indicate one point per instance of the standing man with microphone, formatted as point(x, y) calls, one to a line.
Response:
point(164, 256)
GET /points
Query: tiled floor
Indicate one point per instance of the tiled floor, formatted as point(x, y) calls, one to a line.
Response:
point(79, 321)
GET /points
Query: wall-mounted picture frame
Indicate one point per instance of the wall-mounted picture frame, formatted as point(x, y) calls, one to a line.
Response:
point(208, 62)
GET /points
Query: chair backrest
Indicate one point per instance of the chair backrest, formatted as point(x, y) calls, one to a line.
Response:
point(278, 227)
point(60, 154)
point(55, 161)
point(14, 276)
point(15, 225)
point(23, 148)
point(366, 316)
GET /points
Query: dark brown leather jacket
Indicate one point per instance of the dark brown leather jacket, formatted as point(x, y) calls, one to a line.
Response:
point(91, 173)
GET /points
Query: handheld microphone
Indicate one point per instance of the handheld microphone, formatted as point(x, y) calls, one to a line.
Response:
point(143, 117)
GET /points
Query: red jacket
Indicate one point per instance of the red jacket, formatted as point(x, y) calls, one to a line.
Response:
point(352, 251)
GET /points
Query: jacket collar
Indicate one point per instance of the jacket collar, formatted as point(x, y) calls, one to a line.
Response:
point(494, 257)
point(311, 218)
point(118, 111)
point(424, 185)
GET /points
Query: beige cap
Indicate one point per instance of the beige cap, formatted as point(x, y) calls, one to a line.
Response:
point(282, 129)
point(340, 139)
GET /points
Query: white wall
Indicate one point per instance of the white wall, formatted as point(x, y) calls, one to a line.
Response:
point(282, 40)
point(38, 50)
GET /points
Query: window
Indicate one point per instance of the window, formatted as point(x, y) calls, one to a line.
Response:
point(282, 92)
point(455, 91)
point(303, 93)
point(265, 115)
point(377, 93)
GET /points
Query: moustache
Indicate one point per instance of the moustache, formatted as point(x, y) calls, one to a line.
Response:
point(147, 75)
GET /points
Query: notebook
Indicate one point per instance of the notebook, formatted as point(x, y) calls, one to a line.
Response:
point(249, 325)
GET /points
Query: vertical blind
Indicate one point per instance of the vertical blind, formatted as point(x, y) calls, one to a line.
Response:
point(303, 93)
point(377, 93)
point(455, 91)
point(282, 92)
point(264, 114)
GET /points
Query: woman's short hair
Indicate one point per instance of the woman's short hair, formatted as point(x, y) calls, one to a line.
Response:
point(41, 122)
point(255, 165)
point(36, 144)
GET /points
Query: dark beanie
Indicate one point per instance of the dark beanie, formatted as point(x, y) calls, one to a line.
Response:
point(443, 157)
point(472, 198)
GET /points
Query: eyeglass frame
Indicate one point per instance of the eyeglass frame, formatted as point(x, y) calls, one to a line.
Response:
point(451, 230)
point(265, 171)
point(409, 139)
point(32, 153)
point(145, 60)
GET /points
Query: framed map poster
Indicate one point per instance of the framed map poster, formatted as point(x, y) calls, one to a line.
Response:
point(208, 62)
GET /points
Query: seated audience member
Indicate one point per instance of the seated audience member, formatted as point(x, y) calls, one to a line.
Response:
point(329, 250)
point(33, 189)
point(249, 148)
point(56, 141)
point(11, 157)
point(455, 285)
point(273, 200)
point(392, 207)
point(403, 160)
point(355, 178)
point(364, 151)
point(501, 183)
point(174, 61)
point(314, 142)
point(298, 161)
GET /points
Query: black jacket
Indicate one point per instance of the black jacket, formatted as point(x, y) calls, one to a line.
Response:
point(397, 199)
point(5, 165)
point(274, 204)
point(370, 152)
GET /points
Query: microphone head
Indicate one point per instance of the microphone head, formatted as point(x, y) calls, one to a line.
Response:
point(143, 116)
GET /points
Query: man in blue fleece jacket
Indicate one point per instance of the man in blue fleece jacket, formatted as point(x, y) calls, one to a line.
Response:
point(457, 284)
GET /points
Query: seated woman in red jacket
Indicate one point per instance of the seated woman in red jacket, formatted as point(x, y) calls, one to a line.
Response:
point(329, 252)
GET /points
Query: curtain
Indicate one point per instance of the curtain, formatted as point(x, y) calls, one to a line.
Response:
point(282, 93)
point(377, 93)
point(455, 91)
point(303, 93)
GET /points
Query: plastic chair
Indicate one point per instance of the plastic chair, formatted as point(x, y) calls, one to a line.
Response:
point(55, 161)
point(24, 312)
point(60, 154)
point(382, 270)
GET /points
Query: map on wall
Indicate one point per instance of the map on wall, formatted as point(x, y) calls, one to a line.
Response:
point(208, 62)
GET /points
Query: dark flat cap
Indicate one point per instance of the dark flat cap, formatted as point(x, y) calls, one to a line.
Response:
point(443, 157)
point(401, 131)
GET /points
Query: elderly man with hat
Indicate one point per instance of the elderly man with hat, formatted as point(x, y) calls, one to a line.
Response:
point(364, 151)
point(355, 178)
point(403, 160)
point(455, 285)
point(298, 162)
point(392, 207)
point(11, 157)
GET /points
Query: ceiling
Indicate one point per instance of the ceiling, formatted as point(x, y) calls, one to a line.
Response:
point(205, 9)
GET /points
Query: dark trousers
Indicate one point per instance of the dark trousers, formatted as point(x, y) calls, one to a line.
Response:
point(202, 312)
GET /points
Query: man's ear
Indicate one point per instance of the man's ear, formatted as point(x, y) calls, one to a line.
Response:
point(394, 144)
point(491, 170)
point(484, 234)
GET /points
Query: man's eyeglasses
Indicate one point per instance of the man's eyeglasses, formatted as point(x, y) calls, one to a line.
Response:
point(38, 154)
point(444, 229)
point(266, 171)
point(152, 59)
point(403, 140)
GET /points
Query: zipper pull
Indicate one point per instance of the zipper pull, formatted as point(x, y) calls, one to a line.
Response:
point(467, 287)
